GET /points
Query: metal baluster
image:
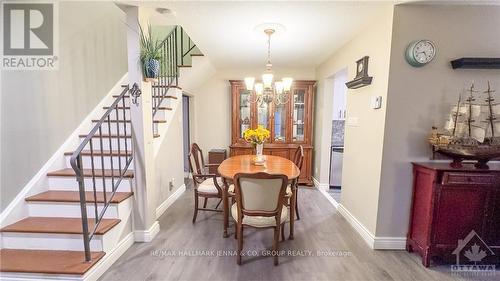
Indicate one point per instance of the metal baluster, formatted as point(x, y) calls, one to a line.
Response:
point(125, 126)
point(176, 58)
point(182, 45)
point(93, 176)
point(102, 162)
point(83, 208)
point(118, 138)
point(110, 156)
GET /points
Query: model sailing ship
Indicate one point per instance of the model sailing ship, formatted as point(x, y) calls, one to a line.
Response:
point(473, 130)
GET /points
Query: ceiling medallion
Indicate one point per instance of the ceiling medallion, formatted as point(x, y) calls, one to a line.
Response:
point(268, 90)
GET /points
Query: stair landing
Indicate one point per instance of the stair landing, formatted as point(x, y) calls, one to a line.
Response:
point(49, 262)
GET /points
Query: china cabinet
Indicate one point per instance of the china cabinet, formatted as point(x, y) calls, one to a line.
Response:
point(290, 124)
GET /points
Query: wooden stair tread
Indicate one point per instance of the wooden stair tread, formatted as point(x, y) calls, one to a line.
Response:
point(184, 66)
point(127, 121)
point(156, 136)
point(127, 107)
point(68, 172)
point(155, 96)
point(107, 136)
point(98, 152)
point(197, 55)
point(45, 261)
point(58, 225)
point(74, 196)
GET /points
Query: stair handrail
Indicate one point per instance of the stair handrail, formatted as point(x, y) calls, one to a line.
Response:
point(80, 172)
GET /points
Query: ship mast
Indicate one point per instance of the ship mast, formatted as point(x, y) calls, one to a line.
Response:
point(456, 114)
point(470, 100)
point(491, 117)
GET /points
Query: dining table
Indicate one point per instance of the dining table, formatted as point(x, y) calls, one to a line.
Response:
point(246, 164)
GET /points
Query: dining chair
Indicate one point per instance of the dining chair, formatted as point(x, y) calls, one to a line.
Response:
point(259, 204)
point(298, 160)
point(206, 185)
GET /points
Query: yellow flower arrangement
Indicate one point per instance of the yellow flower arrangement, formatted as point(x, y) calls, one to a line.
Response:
point(256, 136)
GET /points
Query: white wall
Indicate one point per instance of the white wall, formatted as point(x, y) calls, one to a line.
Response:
point(41, 108)
point(420, 98)
point(169, 162)
point(364, 140)
point(212, 104)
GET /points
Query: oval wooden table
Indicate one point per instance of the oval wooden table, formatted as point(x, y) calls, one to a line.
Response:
point(243, 164)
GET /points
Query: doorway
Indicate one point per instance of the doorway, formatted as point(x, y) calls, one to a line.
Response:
point(186, 138)
point(339, 114)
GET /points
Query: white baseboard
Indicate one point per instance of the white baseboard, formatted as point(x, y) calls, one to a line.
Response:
point(147, 235)
point(367, 236)
point(330, 198)
point(17, 208)
point(93, 274)
point(389, 243)
point(374, 242)
point(320, 186)
point(170, 200)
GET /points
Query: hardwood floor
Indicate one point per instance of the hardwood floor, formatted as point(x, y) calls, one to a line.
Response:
point(321, 228)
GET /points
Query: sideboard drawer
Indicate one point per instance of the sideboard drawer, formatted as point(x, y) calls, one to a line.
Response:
point(455, 178)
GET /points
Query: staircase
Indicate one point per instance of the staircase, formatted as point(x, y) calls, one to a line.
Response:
point(80, 222)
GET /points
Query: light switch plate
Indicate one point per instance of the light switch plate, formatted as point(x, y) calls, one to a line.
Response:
point(376, 102)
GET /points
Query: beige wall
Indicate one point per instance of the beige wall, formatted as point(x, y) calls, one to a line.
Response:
point(211, 114)
point(363, 141)
point(419, 98)
point(168, 161)
point(41, 108)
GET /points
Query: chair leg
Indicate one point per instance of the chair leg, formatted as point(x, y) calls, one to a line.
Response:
point(235, 230)
point(218, 204)
point(275, 244)
point(282, 232)
point(297, 203)
point(240, 243)
point(205, 202)
point(195, 206)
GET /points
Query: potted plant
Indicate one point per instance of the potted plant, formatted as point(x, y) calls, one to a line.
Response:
point(257, 137)
point(150, 54)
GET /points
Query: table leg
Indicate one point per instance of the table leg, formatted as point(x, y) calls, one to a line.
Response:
point(292, 209)
point(225, 205)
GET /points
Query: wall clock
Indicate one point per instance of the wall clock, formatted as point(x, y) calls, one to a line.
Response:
point(420, 52)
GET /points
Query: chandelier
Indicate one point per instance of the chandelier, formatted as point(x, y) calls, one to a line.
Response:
point(268, 91)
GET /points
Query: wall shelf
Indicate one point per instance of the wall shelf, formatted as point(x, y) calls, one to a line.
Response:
point(476, 63)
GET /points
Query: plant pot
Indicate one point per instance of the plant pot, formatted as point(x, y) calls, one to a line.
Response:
point(152, 68)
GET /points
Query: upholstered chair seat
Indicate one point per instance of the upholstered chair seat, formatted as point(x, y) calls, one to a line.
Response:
point(208, 186)
point(259, 221)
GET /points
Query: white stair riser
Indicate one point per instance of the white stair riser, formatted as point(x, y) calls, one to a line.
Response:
point(69, 209)
point(87, 163)
point(96, 143)
point(114, 129)
point(70, 183)
point(120, 114)
point(48, 241)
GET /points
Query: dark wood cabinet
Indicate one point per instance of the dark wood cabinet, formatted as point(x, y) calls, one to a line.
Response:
point(215, 156)
point(290, 124)
point(448, 203)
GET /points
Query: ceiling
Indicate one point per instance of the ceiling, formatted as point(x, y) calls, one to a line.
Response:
point(224, 31)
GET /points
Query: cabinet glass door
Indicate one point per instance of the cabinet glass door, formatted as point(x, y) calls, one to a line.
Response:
point(280, 116)
point(245, 117)
point(298, 121)
point(263, 115)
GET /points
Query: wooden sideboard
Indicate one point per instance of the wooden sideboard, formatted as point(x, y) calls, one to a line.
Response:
point(448, 203)
point(290, 124)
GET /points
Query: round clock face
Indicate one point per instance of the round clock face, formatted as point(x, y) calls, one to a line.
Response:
point(360, 67)
point(420, 52)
